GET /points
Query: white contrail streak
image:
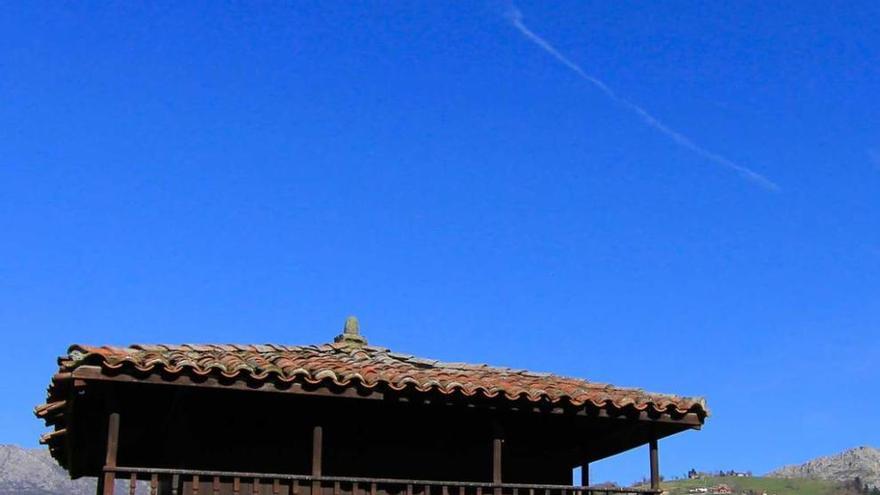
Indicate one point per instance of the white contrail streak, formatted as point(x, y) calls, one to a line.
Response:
point(516, 19)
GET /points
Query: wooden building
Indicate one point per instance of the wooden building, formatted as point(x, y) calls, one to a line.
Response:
point(345, 418)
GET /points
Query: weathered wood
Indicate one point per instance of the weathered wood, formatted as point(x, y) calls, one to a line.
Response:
point(317, 455)
point(317, 447)
point(655, 464)
point(91, 372)
point(227, 483)
point(496, 462)
point(109, 478)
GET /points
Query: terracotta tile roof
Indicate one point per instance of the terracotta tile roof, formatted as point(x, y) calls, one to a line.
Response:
point(349, 362)
point(369, 366)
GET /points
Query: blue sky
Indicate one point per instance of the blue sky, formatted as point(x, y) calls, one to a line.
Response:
point(254, 172)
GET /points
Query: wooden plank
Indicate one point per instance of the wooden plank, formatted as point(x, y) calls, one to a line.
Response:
point(154, 484)
point(276, 486)
point(372, 488)
point(215, 486)
point(132, 483)
point(175, 482)
point(195, 484)
point(236, 485)
point(295, 488)
point(255, 486)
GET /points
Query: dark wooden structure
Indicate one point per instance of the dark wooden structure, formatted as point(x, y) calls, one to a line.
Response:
point(339, 419)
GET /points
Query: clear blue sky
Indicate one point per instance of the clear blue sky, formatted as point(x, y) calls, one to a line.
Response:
point(256, 171)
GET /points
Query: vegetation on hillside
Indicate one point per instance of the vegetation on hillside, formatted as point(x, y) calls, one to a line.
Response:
point(739, 485)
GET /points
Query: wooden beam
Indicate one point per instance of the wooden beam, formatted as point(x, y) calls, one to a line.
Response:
point(317, 447)
point(690, 419)
point(497, 444)
point(496, 460)
point(97, 373)
point(91, 372)
point(317, 456)
point(655, 464)
point(109, 478)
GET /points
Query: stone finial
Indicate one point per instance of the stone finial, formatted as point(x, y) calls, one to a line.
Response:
point(351, 333)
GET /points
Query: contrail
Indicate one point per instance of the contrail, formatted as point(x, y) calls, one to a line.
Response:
point(516, 19)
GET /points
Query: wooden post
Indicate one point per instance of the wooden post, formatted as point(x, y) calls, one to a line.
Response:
point(106, 487)
point(317, 447)
point(497, 443)
point(585, 474)
point(655, 465)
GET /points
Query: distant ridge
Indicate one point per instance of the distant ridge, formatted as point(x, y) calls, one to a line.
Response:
point(34, 472)
point(862, 462)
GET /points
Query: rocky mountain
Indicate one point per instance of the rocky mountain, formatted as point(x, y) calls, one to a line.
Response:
point(863, 462)
point(34, 472)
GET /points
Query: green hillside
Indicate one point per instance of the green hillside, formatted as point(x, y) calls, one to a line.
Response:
point(757, 485)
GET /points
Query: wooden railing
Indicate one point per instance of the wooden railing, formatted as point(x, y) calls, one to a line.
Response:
point(155, 481)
